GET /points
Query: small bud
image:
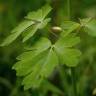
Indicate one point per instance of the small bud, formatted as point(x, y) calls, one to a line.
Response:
point(94, 92)
point(56, 29)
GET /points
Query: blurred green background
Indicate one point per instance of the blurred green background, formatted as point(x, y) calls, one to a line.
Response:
point(12, 13)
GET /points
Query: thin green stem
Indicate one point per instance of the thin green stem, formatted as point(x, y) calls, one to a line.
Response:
point(6, 83)
point(69, 9)
point(73, 74)
point(63, 77)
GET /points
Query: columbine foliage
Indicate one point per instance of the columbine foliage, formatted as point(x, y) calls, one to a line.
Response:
point(39, 60)
point(33, 21)
point(89, 25)
point(64, 48)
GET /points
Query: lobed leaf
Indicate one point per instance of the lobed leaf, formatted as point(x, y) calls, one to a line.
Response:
point(33, 21)
point(37, 68)
point(16, 32)
point(41, 45)
point(36, 64)
point(67, 54)
point(40, 14)
point(41, 70)
point(69, 26)
point(89, 25)
point(34, 28)
point(68, 41)
point(69, 57)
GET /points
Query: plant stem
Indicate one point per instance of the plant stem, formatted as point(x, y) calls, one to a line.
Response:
point(69, 9)
point(6, 83)
point(63, 77)
point(73, 75)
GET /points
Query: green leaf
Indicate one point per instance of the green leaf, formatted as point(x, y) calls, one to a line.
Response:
point(30, 32)
point(41, 70)
point(22, 26)
point(89, 25)
point(10, 39)
point(36, 64)
point(49, 63)
point(84, 21)
point(70, 57)
point(16, 32)
point(27, 58)
point(44, 23)
point(46, 85)
point(68, 41)
point(34, 28)
point(42, 44)
point(27, 61)
point(67, 54)
point(69, 26)
point(33, 22)
point(40, 14)
point(37, 68)
point(39, 17)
